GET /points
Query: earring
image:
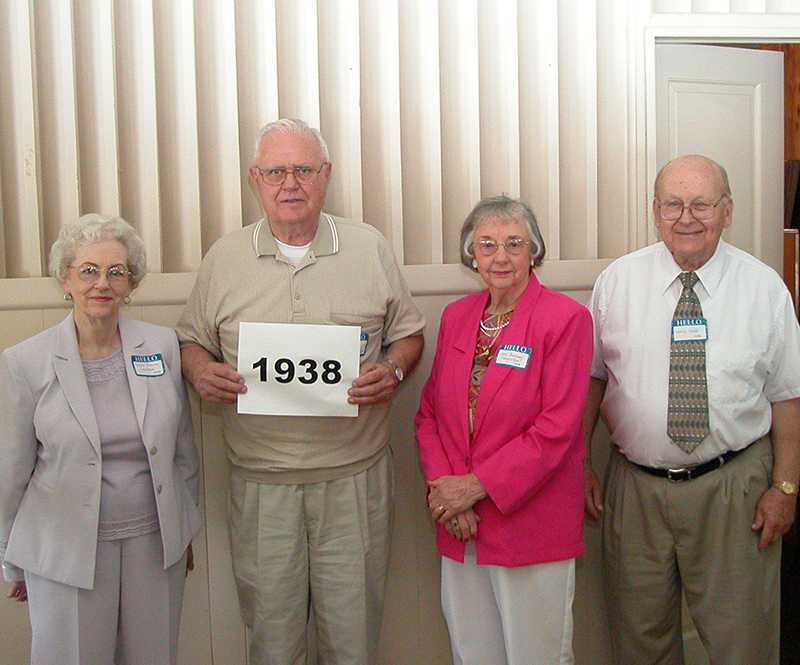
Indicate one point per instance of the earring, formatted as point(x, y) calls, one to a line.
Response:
point(68, 297)
point(474, 263)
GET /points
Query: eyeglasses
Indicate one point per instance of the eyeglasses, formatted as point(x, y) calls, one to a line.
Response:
point(304, 175)
point(671, 211)
point(90, 273)
point(512, 246)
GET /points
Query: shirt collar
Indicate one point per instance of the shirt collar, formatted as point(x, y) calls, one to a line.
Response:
point(325, 242)
point(709, 274)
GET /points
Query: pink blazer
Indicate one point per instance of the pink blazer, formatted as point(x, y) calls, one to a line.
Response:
point(527, 448)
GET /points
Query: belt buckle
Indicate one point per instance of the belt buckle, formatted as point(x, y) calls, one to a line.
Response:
point(679, 475)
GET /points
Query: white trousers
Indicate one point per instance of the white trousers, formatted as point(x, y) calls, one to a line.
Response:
point(130, 617)
point(509, 616)
point(322, 544)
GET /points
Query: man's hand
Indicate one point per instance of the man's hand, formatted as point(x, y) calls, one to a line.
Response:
point(593, 493)
point(375, 384)
point(219, 382)
point(592, 490)
point(774, 515)
point(213, 381)
point(775, 510)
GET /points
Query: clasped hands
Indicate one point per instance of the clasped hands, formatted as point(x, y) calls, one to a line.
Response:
point(451, 500)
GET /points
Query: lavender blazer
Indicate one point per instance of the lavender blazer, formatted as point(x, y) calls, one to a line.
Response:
point(50, 458)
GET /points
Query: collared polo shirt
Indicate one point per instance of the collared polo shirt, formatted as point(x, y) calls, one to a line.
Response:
point(348, 277)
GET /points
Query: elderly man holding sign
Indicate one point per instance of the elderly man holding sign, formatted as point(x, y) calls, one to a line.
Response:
point(305, 322)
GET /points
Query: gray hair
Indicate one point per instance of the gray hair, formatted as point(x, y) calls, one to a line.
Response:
point(722, 174)
point(290, 126)
point(93, 228)
point(503, 207)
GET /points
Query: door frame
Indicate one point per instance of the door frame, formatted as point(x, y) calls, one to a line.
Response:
point(721, 29)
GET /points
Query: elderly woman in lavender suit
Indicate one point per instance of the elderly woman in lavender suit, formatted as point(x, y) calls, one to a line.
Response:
point(98, 467)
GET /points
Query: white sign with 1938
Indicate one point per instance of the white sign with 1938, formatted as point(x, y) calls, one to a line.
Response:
point(297, 369)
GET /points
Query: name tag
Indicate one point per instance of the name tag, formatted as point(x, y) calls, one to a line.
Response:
point(689, 330)
point(513, 355)
point(148, 365)
point(298, 369)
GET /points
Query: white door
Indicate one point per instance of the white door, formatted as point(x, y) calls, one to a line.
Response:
point(727, 103)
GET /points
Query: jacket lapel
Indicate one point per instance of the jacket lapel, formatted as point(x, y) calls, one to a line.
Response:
point(134, 344)
point(69, 370)
point(464, 342)
point(513, 333)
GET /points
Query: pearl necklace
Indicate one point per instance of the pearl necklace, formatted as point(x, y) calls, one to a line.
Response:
point(491, 330)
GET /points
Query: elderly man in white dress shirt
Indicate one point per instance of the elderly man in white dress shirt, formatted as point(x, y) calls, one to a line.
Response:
point(702, 400)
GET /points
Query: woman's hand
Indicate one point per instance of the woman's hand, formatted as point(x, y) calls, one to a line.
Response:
point(448, 496)
point(18, 592)
point(464, 526)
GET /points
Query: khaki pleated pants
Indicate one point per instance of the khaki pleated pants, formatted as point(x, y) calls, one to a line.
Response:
point(662, 537)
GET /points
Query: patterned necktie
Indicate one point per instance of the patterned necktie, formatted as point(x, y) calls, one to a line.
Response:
point(687, 412)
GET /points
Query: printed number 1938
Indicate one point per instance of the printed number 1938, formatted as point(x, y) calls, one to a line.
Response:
point(285, 371)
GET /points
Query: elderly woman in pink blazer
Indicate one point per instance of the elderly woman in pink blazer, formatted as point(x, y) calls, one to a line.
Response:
point(98, 468)
point(499, 437)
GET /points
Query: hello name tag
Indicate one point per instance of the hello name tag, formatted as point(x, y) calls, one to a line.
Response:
point(689, 330)
point(513, 355)
point(148, 365)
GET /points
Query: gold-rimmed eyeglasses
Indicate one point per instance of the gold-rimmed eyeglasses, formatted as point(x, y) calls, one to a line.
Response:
point(671, 211)
point(512, 246)
point(305, 175)
point(90, 273)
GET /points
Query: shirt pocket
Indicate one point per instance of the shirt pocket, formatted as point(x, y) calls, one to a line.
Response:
point(738, 371)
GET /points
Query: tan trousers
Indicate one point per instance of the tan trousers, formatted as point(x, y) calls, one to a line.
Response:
point(322, 544)
point(660, 537)
point(133, 611)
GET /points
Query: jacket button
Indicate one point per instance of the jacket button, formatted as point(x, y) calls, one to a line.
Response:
point(158, 488)
point(153, 450)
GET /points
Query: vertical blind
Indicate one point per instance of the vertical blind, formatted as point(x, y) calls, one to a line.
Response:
point(148, 109)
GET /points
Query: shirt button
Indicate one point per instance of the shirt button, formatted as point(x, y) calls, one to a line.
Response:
point(297, 296)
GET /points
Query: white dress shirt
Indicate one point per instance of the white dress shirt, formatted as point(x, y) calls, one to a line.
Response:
point(752, 351)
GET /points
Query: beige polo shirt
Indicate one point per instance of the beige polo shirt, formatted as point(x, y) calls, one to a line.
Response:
point(348, 277)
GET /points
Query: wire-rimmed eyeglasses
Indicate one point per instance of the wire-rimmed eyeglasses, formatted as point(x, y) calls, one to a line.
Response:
point(90, 273)
point(488, 247)
point(671, 211)
point(305, 175)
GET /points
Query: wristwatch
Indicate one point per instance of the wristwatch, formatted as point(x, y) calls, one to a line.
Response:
point(398, 373)
point(785, 486)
